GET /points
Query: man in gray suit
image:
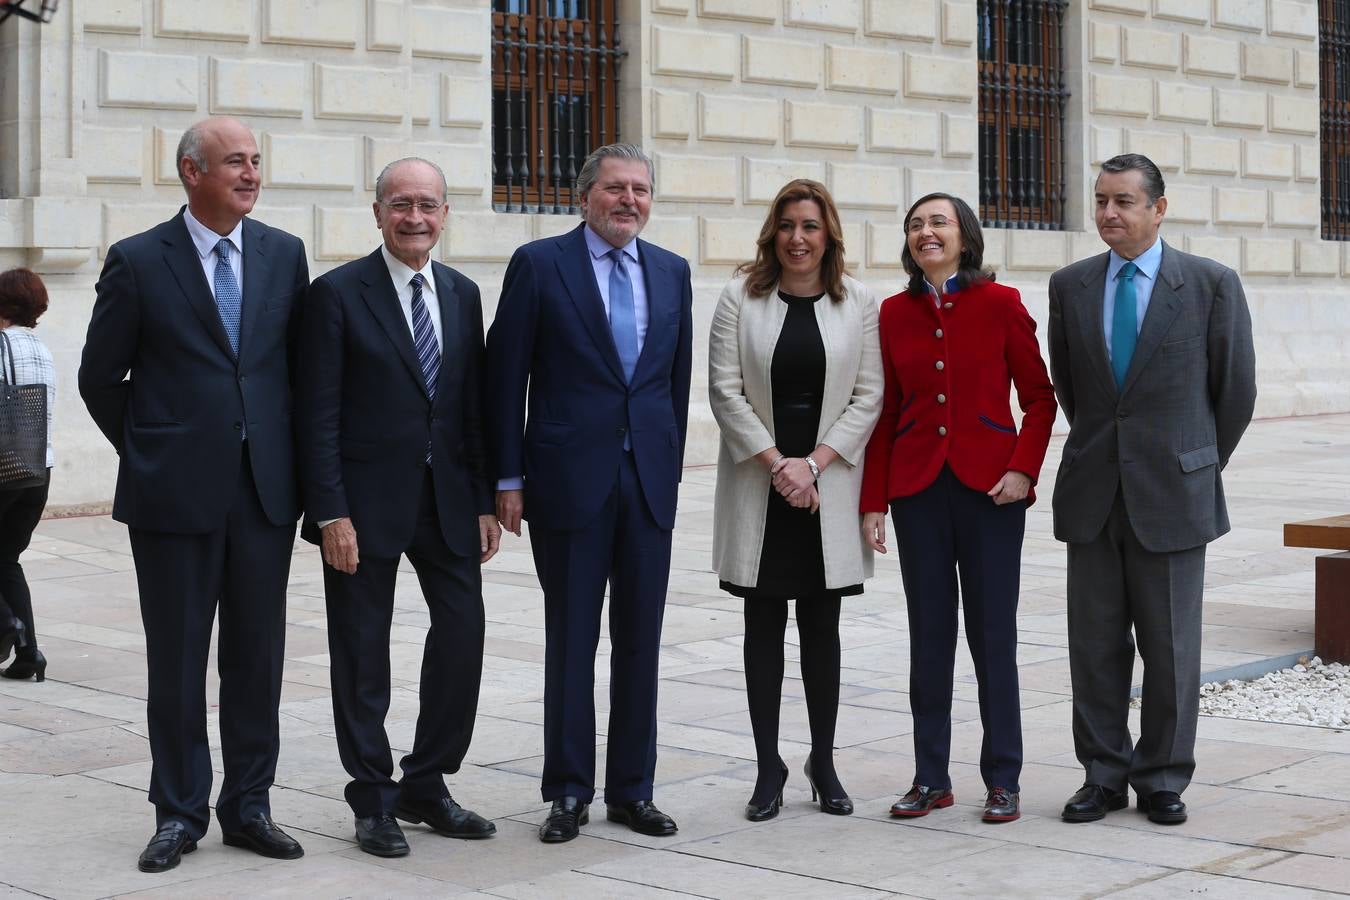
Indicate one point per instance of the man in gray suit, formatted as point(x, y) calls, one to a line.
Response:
point(1151, 352)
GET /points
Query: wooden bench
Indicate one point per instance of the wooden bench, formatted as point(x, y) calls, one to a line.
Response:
point(1331, 621)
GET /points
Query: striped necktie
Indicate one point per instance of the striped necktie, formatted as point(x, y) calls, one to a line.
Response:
point(424, 338)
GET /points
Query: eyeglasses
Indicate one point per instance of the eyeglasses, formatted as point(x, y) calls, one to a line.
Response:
point(426, 207)
point(934, 222)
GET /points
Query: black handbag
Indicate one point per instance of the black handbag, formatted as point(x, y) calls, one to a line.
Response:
point(23, 427)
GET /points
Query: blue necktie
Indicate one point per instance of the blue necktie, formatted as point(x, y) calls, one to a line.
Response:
point(622, 318)
point(229, 301)
point(424, 338)
point(1124, 323)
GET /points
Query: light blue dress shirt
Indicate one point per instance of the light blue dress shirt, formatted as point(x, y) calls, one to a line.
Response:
point(602, 265)
point(1147, 276)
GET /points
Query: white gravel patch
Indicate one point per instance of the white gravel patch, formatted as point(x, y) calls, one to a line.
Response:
point(1311, 693)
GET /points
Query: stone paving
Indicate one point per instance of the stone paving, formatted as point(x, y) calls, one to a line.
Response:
point(1270, 807)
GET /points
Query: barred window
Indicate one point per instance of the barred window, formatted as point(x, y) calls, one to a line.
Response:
point(1334, 44)
point(1021, 113)
point(555, 97)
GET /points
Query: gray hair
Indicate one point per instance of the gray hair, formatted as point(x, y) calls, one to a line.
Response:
point(590, 169)
point(383, 178)
point(190, 147)
point(1150, 177)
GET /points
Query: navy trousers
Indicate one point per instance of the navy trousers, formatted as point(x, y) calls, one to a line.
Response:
point(945, 531)
point(621, 545)
point(360, 616)
point(240, 568)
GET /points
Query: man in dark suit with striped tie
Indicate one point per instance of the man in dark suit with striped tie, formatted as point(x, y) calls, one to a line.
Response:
point(392, 464)
point(187, 371)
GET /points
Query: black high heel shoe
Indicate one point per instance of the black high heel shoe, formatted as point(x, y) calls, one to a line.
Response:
point(756, 813)
point(12, 636)
point(835, 806)
point(35, 668)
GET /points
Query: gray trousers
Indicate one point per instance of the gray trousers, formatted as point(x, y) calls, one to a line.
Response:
point(1115, 585)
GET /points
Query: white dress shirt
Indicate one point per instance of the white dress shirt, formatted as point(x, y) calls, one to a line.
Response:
point(402, 276)
point(205, 240)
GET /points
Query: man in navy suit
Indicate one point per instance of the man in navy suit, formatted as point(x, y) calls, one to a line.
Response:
point(187, 370)
point(595, 327)
point(392, 463)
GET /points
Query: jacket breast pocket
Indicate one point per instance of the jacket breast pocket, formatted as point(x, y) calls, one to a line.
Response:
point(1184, 345)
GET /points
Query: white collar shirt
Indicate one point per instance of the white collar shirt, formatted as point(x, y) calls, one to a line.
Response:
point(204, 240)
point(401, 275)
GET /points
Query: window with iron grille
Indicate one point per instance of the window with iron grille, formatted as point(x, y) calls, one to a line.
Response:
point(555, 97)
point(1334, 47)
point(1021, 113)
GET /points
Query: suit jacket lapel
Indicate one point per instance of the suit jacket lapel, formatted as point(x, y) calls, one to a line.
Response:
point(254, 293)
point(1090, 319)
point(578, 278)
point(378, 294)
point(448, 301)
point(662, 297)
point(1163, 305)
point(180, 254)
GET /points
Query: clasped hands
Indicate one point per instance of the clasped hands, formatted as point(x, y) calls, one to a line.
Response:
point(341, 551)
point(791, 477)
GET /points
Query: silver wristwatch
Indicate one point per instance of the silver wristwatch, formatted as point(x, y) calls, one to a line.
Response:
point(815, 469)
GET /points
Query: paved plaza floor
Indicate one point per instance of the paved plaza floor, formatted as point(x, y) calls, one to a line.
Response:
point(1270, 806)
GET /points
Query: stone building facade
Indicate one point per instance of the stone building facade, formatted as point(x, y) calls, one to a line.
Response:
point(876, 98)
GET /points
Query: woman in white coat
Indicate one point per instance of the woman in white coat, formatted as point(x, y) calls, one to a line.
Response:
point(795, 382)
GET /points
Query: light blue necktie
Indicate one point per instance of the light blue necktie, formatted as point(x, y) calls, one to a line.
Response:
point(1124, 323)
point(229, 301)
point(622, 317)
point(424, 340)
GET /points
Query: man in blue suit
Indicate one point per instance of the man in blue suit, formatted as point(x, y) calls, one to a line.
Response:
point(187, 371)
point(595, 327)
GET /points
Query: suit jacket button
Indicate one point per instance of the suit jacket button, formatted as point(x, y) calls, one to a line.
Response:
point(620, 431)
point(938, 333)
point(942, 398)
point(238, 426)
point(940, 365)
point(942, 430)
point(947, 305)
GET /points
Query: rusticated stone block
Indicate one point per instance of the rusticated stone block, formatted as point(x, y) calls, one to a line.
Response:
point(1293, 19)
point(823, 125)
point(1042, 251)
point(939, 77)
point(1180, 102)
point(386, 25)
point(740, 10)
point(1237, 206)
point(960, 136)
point(1227, 251)
point(309, 161)
point(1262, 159)
point(727, 242)
point(1214, 156)
point(914, 20)
point(773, 61)
point(219, 20)
point(885, 243)
point(849, 68)
point(868, 187)
point(1295, 115)
point(1267, 256)
point(1319, 258)
point(722, 117)
point(450, 33)
point(1243, 15)
point(1240, 109)
point(464, 102)
point(257, 87)
point(902, 130)
point(1122, 96)
point(147, 80)
point(1151, 49)
point(706, 179)
point(1103, 42)
point(958, 23)
point(1165, 148)
point(764, 178)
point(835, 15)
point(1190, 203)
point(672, 114)
point(113, 154)
point(1295, 209)
point(1209, 56)
point(695, 54)
point(360, 92)
point(486, 237)
point(325, 23)
point(115, 16)
point(1181, 11)
point(1263, 62)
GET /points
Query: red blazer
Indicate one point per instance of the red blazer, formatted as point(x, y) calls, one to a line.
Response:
point(949, 373)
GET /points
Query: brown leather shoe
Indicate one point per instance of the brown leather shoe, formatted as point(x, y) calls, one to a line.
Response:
point(921, 800)
point(1002, 805)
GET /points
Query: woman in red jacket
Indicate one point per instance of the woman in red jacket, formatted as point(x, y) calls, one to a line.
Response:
point(958, 477)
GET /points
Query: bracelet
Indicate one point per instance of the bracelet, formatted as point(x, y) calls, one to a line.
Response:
point(776, 462)
point(815, 469)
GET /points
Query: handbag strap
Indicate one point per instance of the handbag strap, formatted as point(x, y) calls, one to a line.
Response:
point(7, 352)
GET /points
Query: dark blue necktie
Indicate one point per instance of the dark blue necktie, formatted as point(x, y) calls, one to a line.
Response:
point(1124, 323)
point(229, 301)
point(622, 317)
point(424, 338)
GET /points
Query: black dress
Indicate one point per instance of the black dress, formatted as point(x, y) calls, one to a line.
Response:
point(791, 563)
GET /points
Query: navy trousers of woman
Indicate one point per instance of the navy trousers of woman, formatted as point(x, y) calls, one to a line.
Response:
point(946, 530)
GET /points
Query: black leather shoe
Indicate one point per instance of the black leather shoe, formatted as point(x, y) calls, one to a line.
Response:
point(1002, 805)
point(921, 800)
point(564, 821)
point(1092, 802)
point(642, 816)
point(380, 836)
point(1163, 807)
point(166, 848)
point(835, 806)
point(261, 835)
point(444, 816)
